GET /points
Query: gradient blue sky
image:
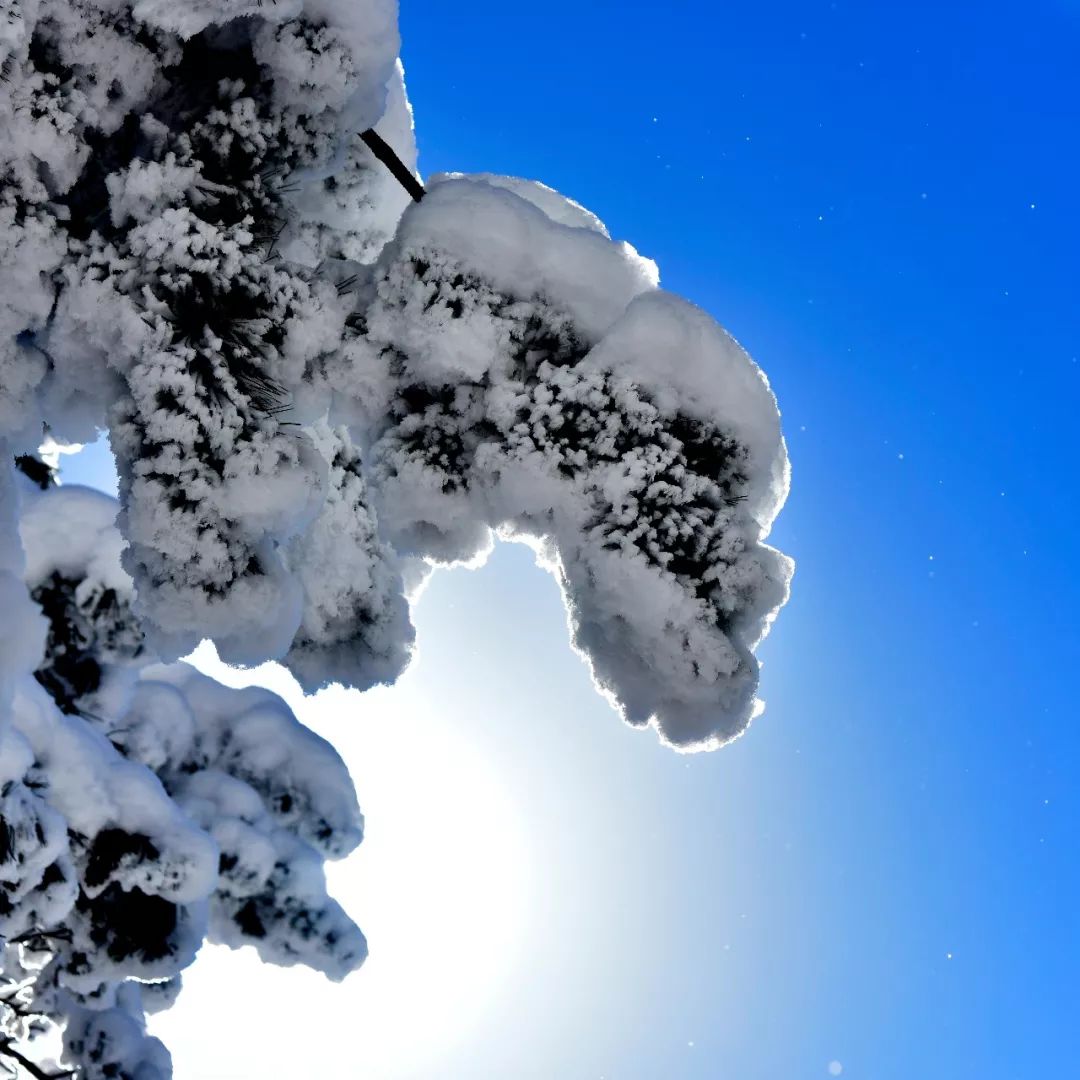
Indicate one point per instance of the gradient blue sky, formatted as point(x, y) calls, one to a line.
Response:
point(879, 201)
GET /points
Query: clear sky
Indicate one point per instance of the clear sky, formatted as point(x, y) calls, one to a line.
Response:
point(880, 880)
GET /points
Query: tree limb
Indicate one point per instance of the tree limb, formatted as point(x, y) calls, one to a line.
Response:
point(386, 155)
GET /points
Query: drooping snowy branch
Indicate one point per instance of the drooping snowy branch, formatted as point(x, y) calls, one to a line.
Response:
point(520, 372)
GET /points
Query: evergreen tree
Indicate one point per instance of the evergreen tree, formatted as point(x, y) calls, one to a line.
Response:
point(319, 380)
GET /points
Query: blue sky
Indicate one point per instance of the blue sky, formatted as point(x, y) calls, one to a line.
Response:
point(880, 203)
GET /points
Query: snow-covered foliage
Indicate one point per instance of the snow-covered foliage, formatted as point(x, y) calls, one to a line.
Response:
point(145, 808)
point(525, 375)
point(315, 390)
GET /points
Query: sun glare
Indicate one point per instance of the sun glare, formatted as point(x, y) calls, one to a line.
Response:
point(440, 887)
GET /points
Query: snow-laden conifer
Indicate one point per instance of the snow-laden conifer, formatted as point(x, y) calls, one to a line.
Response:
point(318, 381)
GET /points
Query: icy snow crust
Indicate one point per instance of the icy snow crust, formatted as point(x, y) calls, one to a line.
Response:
point(315, 391)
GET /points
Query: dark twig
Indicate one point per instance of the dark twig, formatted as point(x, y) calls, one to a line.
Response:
point(60, 934)
point(36, 1071)
point(374, 142)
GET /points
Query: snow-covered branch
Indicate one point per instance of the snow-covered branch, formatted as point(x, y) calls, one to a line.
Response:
point(319, 378)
